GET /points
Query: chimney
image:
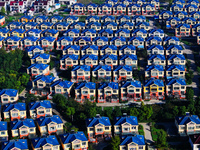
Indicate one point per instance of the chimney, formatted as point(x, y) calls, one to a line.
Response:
point(98, 116)
point(124, 114)
point(187, 113)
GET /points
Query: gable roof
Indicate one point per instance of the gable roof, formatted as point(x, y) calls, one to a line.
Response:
point(157, 67)
point(166, 11)
point(154, 81)
point(46, 79)
point(68, 38)
point(172, 56)
point(90, 122)
point(89, 85)
point(129, 119)
point(93, 47)
point(56, 17)
point(46, 120)
point(3, 125)
point(153, 38)
point(48, 38)
point(131, 56)
point(113, 47)
point(125, 67)
point(185, 25)
point(75, 47)
point(170, 37)
point(43, 103)
point(111, 56)
point(150, 47)
point(31, 48)
point(19, 123)
point(39, 66)
point(9, 92)
point(195, 138)
point(112, 85)
point(121, 38)
point(139, 30)
point(65, 24)
point(42, 17)
point(83, 67)
point(64, 83)
point(43, 56)
point(175, 80)
point(18, 106)
point(183, 120)
point(138, 139)
point(93, 57)
point(137, 38)
point(179, 47)
point(161, 57)
point(31, 38)
point(171, 67)
point(71, 17)
point(35, 31)
point(41, 141)
point(19, 143)
point(104, 67)
point(4, 30)
point(134, 83)
point(109, 31)
point(14, 38)
point(73, 57)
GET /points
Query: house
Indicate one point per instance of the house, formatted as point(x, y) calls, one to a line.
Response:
point(172, 22)
point(55, 19)
point(40, 19)
point(164, 15)
point(3, 131)
point(84, 91)
point(89, 60)
point(153, 40)
point(118, 41)
point(80, 73)
point(100, 41)
point(187, 124)
point(123, 33)
point(45, 6)
point(28, 41)
point(171, 40)
point(156, 60)
point(41, 85)
point(175, 71)
point(122, 73)
point(110, 25)
point(195, 30)
point(68, 60)
point(1, 41)
point(176, 7)
point(82, 41)
point(107, 18)
point(77, 9)
point(105, 9)
point(14, 111)
point(14, 25)
point(176, 88)
point(71, 19)
point(47, 43)
point(157, 33)
point(156, 3)
point(8, 96)
point(91, 33)
point(71, 49)
point(61, 26)
point(30, 25)
point(139, 33)
point(139, 2)
point(174, 49)
point(25, 19)
point(190, 8)
point(124, 125)
point(17, 32)
point(119, 9)
point(111, 60)
point(108, 49)
point(182, 30)
point(92, 19)
point(112, 2)
point(138, 42)
point(4, 32)
point(102, 72)
point(33, 50)
point(45, 143)
point(126, 2)
point(50, 125)
point(23, 128)
point(106, 33)
point(195, 14)
point(38, 69)
point(77, 25)
point(176, 59)
point(73, 33)
point(91, 9)
point(20, 144)
point(194, 141)
point(130, 60)
point(12, 42)
point(181, 14)
point(126, 25)
point(189, 20)
point(142, 25)
point(61, 87)
point(51, 32)
point(98, 127)
point(40, 109)
point(132, 142)
point(155, 49)
point(41, 59)
point(193, 2)
point(64, 41)
point(137, 19)
point(2, 20)
point(90, 49)
point(45, 25)
point(127, 50)
point(108, 92)
point(133, 9)
point(74, 140)
point(154, 89)
point(34, 33)
point(198, 39)
point(131, 90)
point(154, 71)
point(148, 9)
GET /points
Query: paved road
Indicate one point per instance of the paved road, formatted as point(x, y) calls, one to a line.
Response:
point(147, 132)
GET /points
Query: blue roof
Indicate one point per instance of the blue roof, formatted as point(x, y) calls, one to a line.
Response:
point(3, 125)
point(72, 30)
point(182, 1)
point(175, 80)
point(182, 12)
point(130, 5)
point(15, 23)
point(124, 30)
point(73, 57)
point(91, 4)
point(35, 31)
point(134, 83)
point(183, 120)
point(52, 31)
point(46, 79)
point(19, 123)
point(42, 17)
point(39, 66)
point(95, 17)
point(157, 67)
point(194, 12)
point(4, 30)
point(48, 38)
point(148, 5)
point(139, 30)
point(83, 67)
point(9, 92)
point(161, 57)
point(18, 30)
point(185, 25)
point(27, 17)
point(42, 121)
point(94, 47)
point(171, 67)
point(166, 11)
point(43, 56)
point(111, 17)
point(138, 139)
point(1, 38)
point(109, 31)
point(64, 83)
point(128, 23)
point(18, 106)
point(112, 85)
point(156, 30)
point(46, 23)
point(33, 24)
point(186, 6)
point(89, 85)
point(87, 39)
point(131, 56)
point(135, 17)
point(105, 4)
point(90, 122)
point(56, 17)
point(14, 38)
point(31, 38)
point(160, 47)
point(104, 67)
point(65, 24)
point(79, 4)
point(180, 6)
point(189, 1)
point(154, 81)
point(115, 1)
point(121, 38)
point(153, 37)
point(113, 47)
point(196, 25)
point(145, 23)
point(112, 23)
point(95, 23)
point(31, 48)
point(70, 137)
point(93, 57)
point(105, 39)
point(1, 17)
point(41, 141)
point(19, 143)
point(75, 47)
point(170, 37)
point(122, 16)
point(138, 38)
point(169, 47)
point(90, 30)
point(68, 38)
point(71, 17)
point(126, 119)
point(79, 23)
point(180, 56)
point(113, 57)
point(127, 46)
point(125, 67)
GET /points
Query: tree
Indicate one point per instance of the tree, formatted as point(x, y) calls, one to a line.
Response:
point(189, 94)
point(115, 142)
point(117, 112)
point(3, 11)
point(91, 112)
point(175, 110)
point(134, 112)
point(70, 112)
point(162, 138)
point(182, 110)
point(198, 70)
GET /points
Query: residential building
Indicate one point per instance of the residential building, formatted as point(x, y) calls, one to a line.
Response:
point(122, 73)
point(153, 40)
point(100, 41)
point(80, 73)
point(139, 33)
point(142, 25)
point(89, 60)
point(108, 49)
point(181, 14)
point(33, 50)
point(41, 19)
point(4, 32)
point(176, 7)
point(155, 49)
point(25, 19)
point(190, 8)
point(55, 19)
point(123, 33)
point(154, 71)
point(175, 71)
point(47, 43)
point(77, 25)
point(71, 19)
point(111, 60)
point(105, 9)
point(164, 15)
point(21, 144)
point(51, 32)
point(195, 30)
point(174, 49)
point(8, 96)
point(148, 9)
point(182, 30)
point(34, 33)
point(71, 50)
point(172, 22)
point(77, 9)
point(91, 9)
point(107, 18)
point(118, 41)
point(45, 25)
point(73, 33)
point(38, 69)
point(102, 72)
point(64, 41)
point(12, 42)
point(119, 9)
point(28, 41)
point(157, 33)
point(138, 42)
point(61, 26)
point(177, 59)
point(82, 41)
point(156, 60)
point(94, 25)
point(41, 59)
point(126, 25)
point(106, 33)
point(171, 40)
point(3, 131)
point(90, 49)
point(68, 60)
point(14, 25)
point(133, 9)
point(136, 19)
point(194, 141)
point(130, 60)
point(2, 20)
point(127, 50)
point(110, 25)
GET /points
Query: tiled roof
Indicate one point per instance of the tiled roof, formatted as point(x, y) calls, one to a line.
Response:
point(31, 48)
point(104, 67)
point(126, 119)
point(113, 57)
point(39, 66)
point(134, 83)
point(3, 125)
point(90, 122)
point(125, 67)
point(64, 84)
point(19, 144)
point(93, 57)
point(154, 81)
point(138, 139)
point(171, 67)
point(180, 56)
point(131, 56)
point(19, 123)
point(89, 85)
point(18, 106)
point(157, 67)
point(43, 56)
point(41, 141)
point(183, 120)
point(9, 92)
point(112, 85)
point(161, 57)
point(73, 57)
point(82, 67)
point(46, 79)
point(46, 120)
point(175, 80)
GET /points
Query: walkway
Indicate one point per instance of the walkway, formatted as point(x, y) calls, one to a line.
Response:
point(147, 132)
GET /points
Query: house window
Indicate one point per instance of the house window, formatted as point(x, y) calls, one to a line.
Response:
point(3, 133)
point(106, 128)
point(59, 126)
point(31, 130)
point(160, 89)
point(83, 143)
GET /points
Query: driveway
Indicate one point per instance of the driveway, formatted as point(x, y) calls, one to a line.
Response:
point(147, 132)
